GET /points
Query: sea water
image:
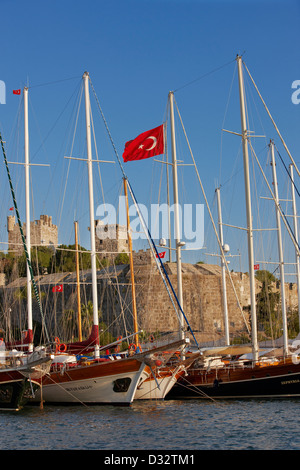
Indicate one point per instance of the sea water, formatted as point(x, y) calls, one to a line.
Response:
point(156, 425)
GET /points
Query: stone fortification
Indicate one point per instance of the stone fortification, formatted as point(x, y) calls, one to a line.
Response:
point(42, 233)
point(110, 240)
point(202, 298)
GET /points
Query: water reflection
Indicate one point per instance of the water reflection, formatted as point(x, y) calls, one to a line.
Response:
point(181, 425)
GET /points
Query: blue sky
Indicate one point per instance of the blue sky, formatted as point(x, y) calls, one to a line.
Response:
point(135, 53)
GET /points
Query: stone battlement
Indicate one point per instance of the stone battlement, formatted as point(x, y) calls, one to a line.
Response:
point(143, 258)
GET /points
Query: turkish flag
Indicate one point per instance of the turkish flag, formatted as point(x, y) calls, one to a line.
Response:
point(16, 92)
point(161, 255)
point(256, 266)
point(146, 145)
point(58, 288)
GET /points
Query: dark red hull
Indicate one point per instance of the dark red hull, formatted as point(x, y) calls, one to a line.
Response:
point(281, 380)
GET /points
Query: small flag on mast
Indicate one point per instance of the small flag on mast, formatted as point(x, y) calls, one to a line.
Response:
point(16, 92)
point(58, 288)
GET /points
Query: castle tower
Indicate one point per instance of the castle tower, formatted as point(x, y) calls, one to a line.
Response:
point(110, 240)
point(42, 232)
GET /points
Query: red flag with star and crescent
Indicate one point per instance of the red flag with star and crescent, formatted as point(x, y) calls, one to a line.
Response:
point(58, 288)
point(146, 145)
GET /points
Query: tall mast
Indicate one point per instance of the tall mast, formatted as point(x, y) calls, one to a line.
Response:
point(223, 269)
point(78, 284)
point(168, 203)
point(248, 210)
point(176, 212)
point(27, 201)
point(296, 237)
point(134, 310)
point(280, 252)
point(91, 201)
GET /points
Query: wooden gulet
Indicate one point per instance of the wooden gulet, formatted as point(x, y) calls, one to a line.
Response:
point(94, 380)
point(218, 374)
point(159, 377)
point(78, 379)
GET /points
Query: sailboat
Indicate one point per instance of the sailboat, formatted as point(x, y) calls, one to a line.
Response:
point(79, 374)
point(20, 377)
point(178, 368)
point(232, 372)
point(21, 366)
point(162, 374)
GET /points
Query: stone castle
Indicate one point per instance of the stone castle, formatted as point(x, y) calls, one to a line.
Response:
point(202, 291)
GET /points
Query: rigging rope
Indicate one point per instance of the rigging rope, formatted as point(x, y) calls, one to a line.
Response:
point(204, 75)
point(289, 175)
point(213, 223)
point(273, 122)
point(23, 238)
point(283, 216)
point(159, 262)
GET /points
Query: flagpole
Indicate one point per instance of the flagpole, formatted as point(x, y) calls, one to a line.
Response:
point(91, 201)
point(27, 201)
point(176, 213)
point(134, 309)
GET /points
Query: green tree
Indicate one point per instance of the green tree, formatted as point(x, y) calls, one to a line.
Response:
point(122, 258)
point(65, 258)
point(267, 303)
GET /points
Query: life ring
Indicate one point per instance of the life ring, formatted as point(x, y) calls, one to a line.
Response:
point(62, 347)
point(119, 338)
point(134, 347)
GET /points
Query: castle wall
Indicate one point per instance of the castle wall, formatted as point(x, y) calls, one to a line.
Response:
point(202, 302)
point(202, 298)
